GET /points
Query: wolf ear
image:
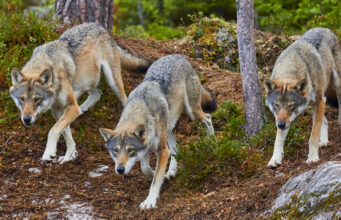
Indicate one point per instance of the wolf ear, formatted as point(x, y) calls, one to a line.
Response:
point(269, 85)
point(140, 131)
point(46, 77)
point(106, 133)
point(301, 86)
point(16, 76)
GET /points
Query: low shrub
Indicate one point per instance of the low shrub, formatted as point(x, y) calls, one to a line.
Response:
point(229, 154)
point(20, 33)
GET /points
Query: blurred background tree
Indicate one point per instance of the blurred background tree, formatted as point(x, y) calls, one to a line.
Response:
point(161, 18)
point(100, 11)
point(276, 16)
point(280, 16)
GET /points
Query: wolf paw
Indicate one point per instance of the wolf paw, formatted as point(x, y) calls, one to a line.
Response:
point(312, 159)
point(83, 108)
point(323, 143)
point(51, 159)
point(66, 158)
point(274, 162)
point(170, 174)
point(148, 204)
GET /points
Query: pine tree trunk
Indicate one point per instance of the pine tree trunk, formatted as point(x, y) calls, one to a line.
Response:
point(140, 12)
point(254, 109)
point(160, 7)
point(99, 11)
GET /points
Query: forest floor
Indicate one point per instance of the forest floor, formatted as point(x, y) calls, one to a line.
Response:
point(88, 188)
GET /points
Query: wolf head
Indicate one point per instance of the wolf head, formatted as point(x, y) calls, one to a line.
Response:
point(286, 100)
point(32, 95)
point(125, 148)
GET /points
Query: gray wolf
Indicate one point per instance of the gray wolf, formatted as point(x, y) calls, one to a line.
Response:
point(60, 71)
point(304, 73)
point(150, 115)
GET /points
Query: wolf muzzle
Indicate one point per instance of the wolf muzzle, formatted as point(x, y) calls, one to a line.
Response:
point(120, 169)
point(281, 125)
point(27, 120)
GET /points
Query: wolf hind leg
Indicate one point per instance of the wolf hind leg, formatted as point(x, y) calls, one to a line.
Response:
point(337, 87)
point(94, 96)
point(171, 141)
point(112, 71)
point(192, 99)
point(205, 118)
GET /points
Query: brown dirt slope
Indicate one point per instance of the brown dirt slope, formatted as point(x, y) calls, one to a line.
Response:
point(67, 191)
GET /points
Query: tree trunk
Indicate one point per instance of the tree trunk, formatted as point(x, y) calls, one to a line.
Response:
point(160, 7)
point(140, 12)
point(98, 11)
point(254, 109)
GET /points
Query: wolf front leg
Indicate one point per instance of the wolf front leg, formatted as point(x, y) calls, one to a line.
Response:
point(146, 168)
point(324, 131)
point(71, 152)
point(162, 160)
point(276, 159)
point(314, 140)
point(71, 112)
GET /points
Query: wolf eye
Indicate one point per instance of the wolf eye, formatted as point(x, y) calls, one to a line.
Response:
point(130, 150)
point(292, 107)
point(21, 99)
point(276, 104)
point(37, 100)
point(115, 149)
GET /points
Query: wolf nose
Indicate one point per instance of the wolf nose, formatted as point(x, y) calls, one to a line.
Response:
point(120, 169)
point(27, 119)
point(281, 124)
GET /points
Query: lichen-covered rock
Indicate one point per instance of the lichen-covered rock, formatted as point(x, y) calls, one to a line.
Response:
point(214, 40)
point(315, 194)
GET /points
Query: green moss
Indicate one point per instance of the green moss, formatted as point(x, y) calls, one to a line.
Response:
point(299, 207)
point(202, 41)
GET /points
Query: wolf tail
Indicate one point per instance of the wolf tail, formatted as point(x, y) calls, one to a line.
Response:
point(331, 98)
point(132, 63)
point(208, 102)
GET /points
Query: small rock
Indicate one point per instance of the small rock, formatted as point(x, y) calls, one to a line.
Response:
point(67, 196)
point(95, 174)
point(102, 168)
point(87, 184)
point(34, 170)
point(279, 174)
